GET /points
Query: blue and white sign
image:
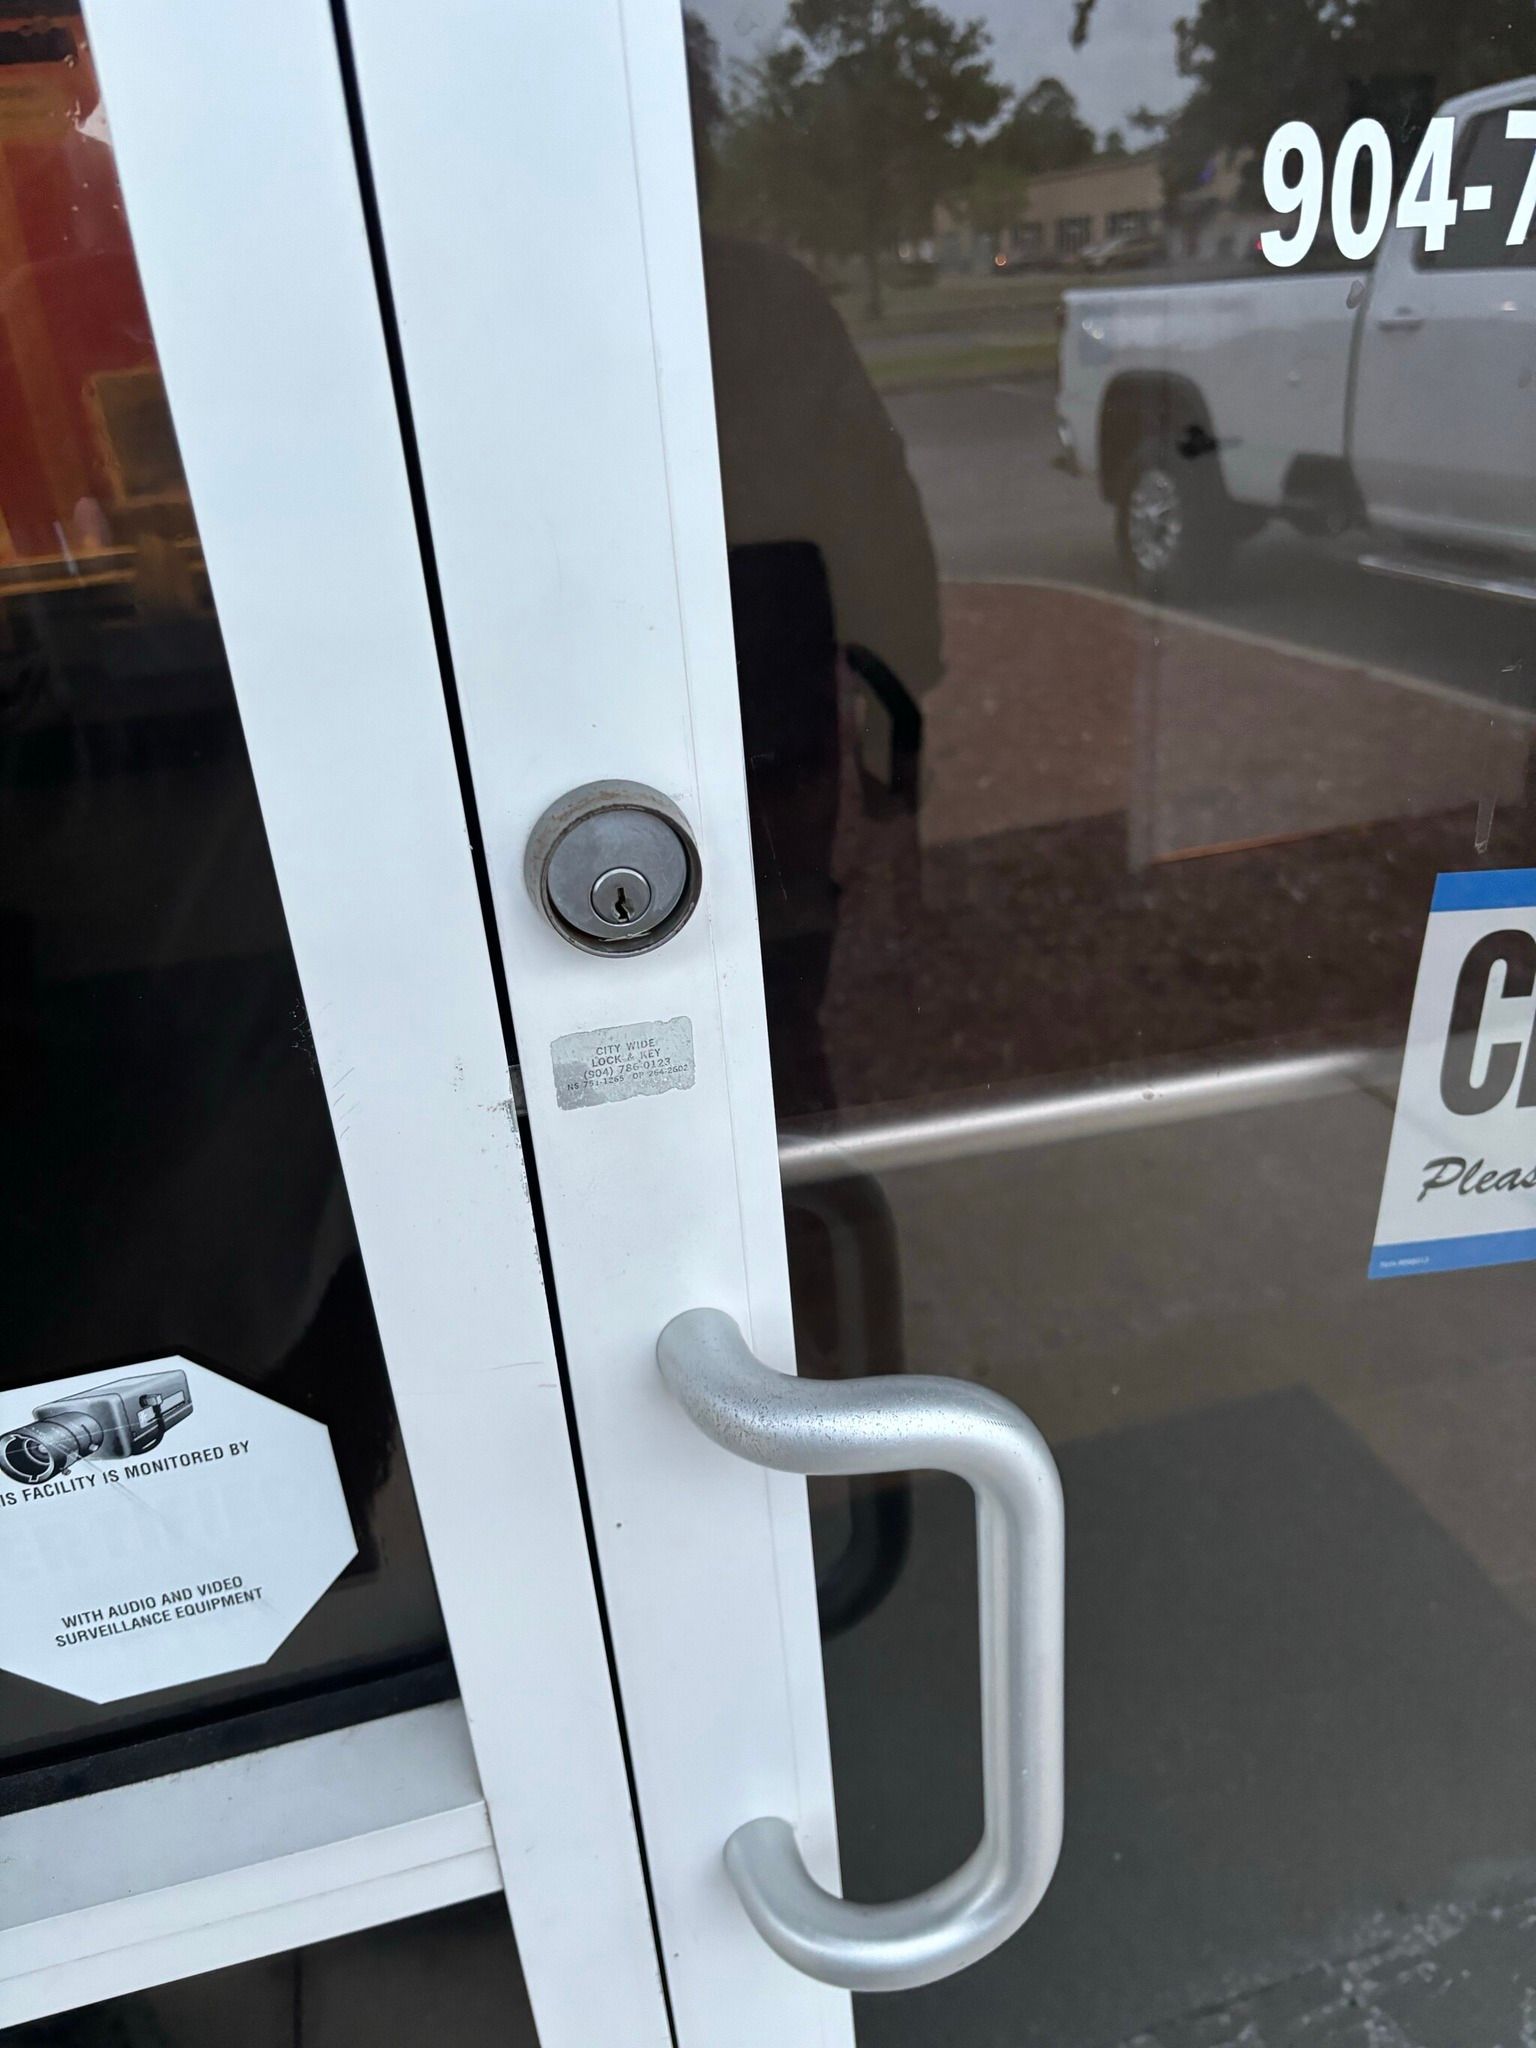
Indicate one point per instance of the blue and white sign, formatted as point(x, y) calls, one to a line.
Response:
point(1460, 1187)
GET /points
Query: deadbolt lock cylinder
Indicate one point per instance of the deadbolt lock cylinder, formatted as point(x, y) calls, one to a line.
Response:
point(614, 867)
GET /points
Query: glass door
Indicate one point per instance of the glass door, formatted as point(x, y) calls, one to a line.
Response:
point(1055, 465)
point(301, 1635)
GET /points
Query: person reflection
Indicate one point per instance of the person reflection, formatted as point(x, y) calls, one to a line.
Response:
point(832, 577)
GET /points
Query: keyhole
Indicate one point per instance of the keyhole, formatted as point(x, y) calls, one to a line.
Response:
point(621, 897)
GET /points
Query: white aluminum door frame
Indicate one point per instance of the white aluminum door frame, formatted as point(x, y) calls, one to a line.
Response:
point(233, 146)
point(540, 227)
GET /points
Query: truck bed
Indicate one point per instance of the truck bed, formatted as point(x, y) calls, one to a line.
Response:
point(1269, 356)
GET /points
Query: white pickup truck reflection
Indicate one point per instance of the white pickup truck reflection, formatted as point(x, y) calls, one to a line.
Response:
point(1398, 399)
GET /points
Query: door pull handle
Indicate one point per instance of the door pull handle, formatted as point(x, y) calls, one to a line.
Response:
point(893, 1424)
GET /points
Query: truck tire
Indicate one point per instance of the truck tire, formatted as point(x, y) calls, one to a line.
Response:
point(1174, 523)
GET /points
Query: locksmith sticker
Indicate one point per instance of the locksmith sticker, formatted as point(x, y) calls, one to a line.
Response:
point(158, 1524)
point(622, 1060)
point(1460, 1188)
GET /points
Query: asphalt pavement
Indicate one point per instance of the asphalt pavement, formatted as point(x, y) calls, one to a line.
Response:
point(999, 511)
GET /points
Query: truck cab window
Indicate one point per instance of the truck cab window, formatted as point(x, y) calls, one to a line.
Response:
point(1480, 241)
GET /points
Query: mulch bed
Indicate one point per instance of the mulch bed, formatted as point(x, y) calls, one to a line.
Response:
point(1047, 916)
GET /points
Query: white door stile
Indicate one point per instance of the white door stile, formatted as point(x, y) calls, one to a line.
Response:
point(540, 224)
point(232, 142)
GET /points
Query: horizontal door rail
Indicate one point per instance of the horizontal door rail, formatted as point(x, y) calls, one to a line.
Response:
point(1008, 1122)
point(247, 1857)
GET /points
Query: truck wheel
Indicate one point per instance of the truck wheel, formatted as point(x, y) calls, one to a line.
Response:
point(1172, 521)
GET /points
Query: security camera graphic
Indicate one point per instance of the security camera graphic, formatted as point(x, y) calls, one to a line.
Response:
point(119, 1419)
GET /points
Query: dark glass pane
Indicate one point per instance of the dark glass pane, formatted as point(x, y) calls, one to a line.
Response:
point(1125, 645)
point(171, 1183)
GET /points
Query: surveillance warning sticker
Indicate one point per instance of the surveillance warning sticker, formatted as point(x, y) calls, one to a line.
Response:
point(1460, 1188)
point(158, 1524)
